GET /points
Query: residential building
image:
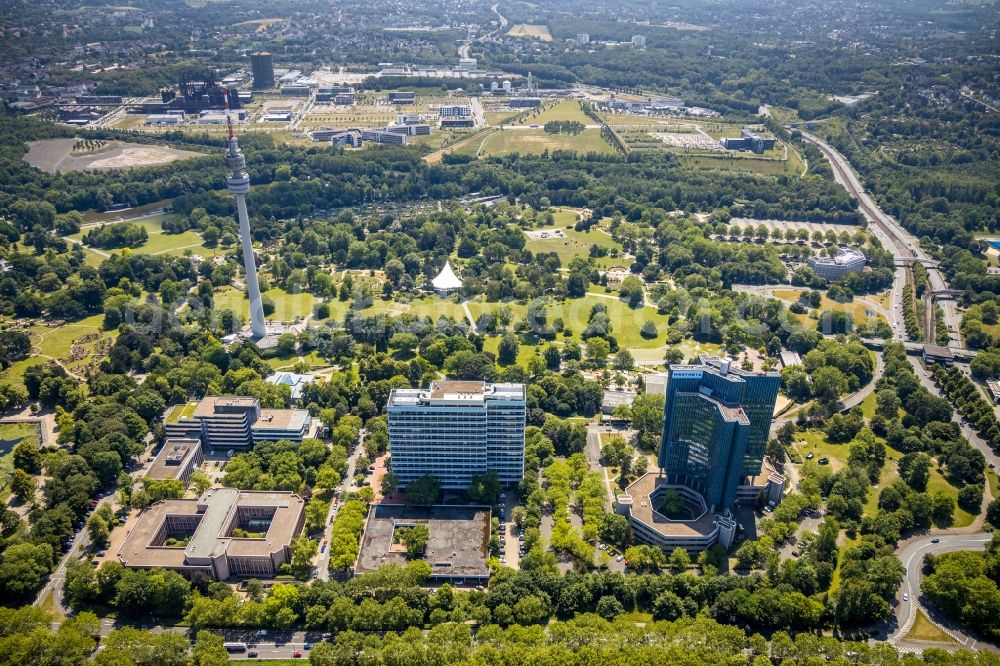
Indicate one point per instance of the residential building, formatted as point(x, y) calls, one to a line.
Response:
point(582, 38)
point(178, 459)
point(639, 41)
point(224, 533)
point(455, 430)
point(847, 260)
point(467, 64)
point(262, 66)
point(715, 427)
point(234, 422)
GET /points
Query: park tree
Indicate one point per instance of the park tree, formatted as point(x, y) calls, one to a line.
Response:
point(423, 491)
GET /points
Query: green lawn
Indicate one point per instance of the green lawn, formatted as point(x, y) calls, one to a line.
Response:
point(12, 434)
point(160, 242)
point(566, 110)
point(925, 630)
point(576, 243)
point(427, 306)
point(287, 306)
point(537, 141)
point(59, 343)
point(938, 483)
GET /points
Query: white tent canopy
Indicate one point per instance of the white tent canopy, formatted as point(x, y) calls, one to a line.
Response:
point(446, 279)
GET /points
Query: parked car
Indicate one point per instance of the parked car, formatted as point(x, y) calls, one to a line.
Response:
point(252, 654)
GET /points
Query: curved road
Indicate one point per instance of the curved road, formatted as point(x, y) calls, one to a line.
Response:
point(911, 554)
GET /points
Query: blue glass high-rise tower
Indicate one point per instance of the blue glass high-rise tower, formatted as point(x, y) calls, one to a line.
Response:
point(715, 427)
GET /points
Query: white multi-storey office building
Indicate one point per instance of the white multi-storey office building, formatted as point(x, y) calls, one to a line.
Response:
point(454, 430)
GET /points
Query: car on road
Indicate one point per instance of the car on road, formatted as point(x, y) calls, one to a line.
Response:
point(906, 596)
point(935, 540)
point(252, 654)
point(307, 646)
point(297, 654)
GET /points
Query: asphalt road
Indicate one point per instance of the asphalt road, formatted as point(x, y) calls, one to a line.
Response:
point(901, 243)
point(911, 554)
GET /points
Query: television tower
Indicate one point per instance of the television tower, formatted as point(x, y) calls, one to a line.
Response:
point(239, 185)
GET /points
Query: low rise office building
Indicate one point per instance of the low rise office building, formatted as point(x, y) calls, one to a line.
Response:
point(178, 459)
point(226, 422)
point(225, 533)
point(847, 260)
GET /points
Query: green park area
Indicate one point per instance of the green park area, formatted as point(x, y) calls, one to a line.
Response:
point(572, 243)
point(159, 242)
point(538, 141)
point(75, 345)
point(287, 307)
point(861, 312)
point(836, 455)
point(566, 110)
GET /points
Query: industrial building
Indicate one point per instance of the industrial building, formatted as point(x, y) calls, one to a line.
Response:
point(234, 422)
point(262, 66)
point(225, 533)
point(455, 430)
point(79, 113)
point(525, 102)
point(715, 429)
point(164, 119)
point(178, 459)
point(847, 260)
point(748, 140)
point(401, 97)
point(295, 90)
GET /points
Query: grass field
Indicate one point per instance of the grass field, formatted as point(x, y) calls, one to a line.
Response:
point(499, 117)
point(576, 243)
point(925, 630)
point(539, 32)
point(159, 242)
point(537, 141)
point(770, 167)
point(567, 110)
point(12, 434)
point(428, 306)
point(858, 310)
point(63, 343)
point(287, 307)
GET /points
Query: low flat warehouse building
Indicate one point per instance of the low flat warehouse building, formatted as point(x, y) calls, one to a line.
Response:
point(225, 533)
point(457, 547)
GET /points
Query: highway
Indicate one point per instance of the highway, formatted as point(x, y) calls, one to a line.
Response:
point(903, 246)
